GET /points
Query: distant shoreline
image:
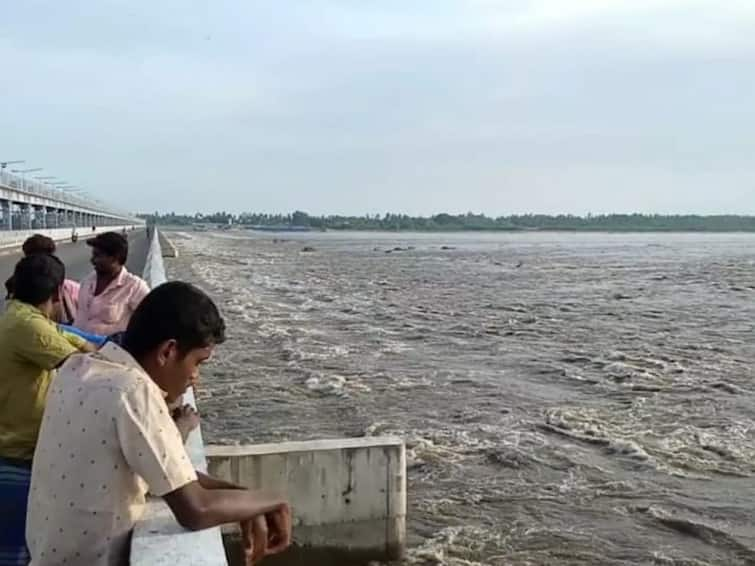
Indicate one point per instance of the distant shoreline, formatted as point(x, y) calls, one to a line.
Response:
point(236, 229)
point(443, 223)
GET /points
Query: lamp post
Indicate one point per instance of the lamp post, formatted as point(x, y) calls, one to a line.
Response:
point(23, 173)
point(4, 164)
point(47, 180)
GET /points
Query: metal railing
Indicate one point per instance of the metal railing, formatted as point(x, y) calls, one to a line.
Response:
point(38, 188)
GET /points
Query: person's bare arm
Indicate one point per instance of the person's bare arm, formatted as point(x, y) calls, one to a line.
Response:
point(196, 507)
point(261, 535)
point(152, 446)
point(209, 482)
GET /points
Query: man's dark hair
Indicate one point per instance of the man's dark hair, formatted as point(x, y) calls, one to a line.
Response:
point(38, 244)
point(37, 278)
point(112, 244)
point(174, 311)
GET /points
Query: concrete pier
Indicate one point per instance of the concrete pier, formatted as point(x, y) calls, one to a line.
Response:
point(348, 495)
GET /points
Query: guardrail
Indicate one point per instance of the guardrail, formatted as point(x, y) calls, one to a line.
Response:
point(14, 238)
point(33, 187)
point(158, 539)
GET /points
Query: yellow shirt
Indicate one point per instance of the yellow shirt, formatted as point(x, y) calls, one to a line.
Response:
point(31, 347)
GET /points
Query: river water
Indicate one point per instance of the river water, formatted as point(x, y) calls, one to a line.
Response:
point(565, 398)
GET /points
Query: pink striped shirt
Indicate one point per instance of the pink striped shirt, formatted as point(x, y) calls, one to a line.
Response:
point(110, 311)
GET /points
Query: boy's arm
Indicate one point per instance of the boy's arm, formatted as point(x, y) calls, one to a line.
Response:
point(196, 507)
point(209, 482)
point(152, 446)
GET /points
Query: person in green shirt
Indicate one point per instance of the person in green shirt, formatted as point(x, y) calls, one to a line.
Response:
point(31, 348)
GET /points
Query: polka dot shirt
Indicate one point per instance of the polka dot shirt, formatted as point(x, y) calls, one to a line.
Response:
point(106, 439)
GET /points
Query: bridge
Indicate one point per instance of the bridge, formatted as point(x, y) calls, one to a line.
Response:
point(27, 204)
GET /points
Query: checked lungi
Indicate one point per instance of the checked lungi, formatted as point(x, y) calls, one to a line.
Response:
point(15, 478)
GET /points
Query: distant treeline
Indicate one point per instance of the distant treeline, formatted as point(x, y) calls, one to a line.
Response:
point(470, 221)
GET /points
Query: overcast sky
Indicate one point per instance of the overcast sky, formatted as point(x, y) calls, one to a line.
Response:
point(352, 106)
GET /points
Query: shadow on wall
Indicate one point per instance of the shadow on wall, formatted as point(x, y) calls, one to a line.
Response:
point(298, 555)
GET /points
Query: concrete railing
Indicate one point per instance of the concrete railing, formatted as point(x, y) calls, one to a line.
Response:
point(158, 539)
point(14, 238)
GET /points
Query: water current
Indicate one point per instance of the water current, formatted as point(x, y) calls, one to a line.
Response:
point(565, 398)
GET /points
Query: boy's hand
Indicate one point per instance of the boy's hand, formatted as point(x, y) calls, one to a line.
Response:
point(265, 535)
point(279, 527)
point(254, 539)
point(186, 419)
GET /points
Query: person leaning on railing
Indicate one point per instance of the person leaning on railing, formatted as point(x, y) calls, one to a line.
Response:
point(107, 438)
point(31, 347)
point(65, 309)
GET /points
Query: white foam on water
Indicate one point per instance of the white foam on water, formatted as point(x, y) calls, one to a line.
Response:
point(529, 393)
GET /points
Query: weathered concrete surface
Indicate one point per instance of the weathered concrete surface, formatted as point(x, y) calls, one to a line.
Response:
point(169, 250)
point(347, 494)
point(158, 539)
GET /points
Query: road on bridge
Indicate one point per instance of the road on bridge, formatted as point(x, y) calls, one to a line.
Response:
point(76, 258)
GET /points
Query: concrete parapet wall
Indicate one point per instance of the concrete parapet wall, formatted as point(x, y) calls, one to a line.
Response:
point(169, 249)
point(14, 238)
point(347, 495)
point(158, 539)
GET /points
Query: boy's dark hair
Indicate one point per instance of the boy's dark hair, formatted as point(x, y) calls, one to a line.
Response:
point(112, 244)
point(38, 244)
point(37, 278)
point(178, 311)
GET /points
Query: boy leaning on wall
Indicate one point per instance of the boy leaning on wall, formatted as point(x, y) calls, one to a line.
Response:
point(107, 438)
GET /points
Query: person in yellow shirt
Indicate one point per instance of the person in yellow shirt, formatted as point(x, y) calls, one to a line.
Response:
point(31, 348)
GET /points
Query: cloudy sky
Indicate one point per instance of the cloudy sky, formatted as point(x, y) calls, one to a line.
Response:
point(352, 106)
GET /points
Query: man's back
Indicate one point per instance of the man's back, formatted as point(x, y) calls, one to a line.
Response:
point(30, 347)
point(106, 433)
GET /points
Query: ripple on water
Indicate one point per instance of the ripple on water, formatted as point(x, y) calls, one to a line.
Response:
point(580, 400)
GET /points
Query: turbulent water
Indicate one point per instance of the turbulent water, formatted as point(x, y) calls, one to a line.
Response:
point(565, 399)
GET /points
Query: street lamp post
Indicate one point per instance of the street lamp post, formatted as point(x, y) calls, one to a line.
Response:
point(23, 173)
point(4, 164)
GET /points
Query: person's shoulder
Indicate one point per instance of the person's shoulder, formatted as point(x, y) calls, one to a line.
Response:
point(98, 371)
point(130, 277)
point(28, 319)
point(137, 282)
